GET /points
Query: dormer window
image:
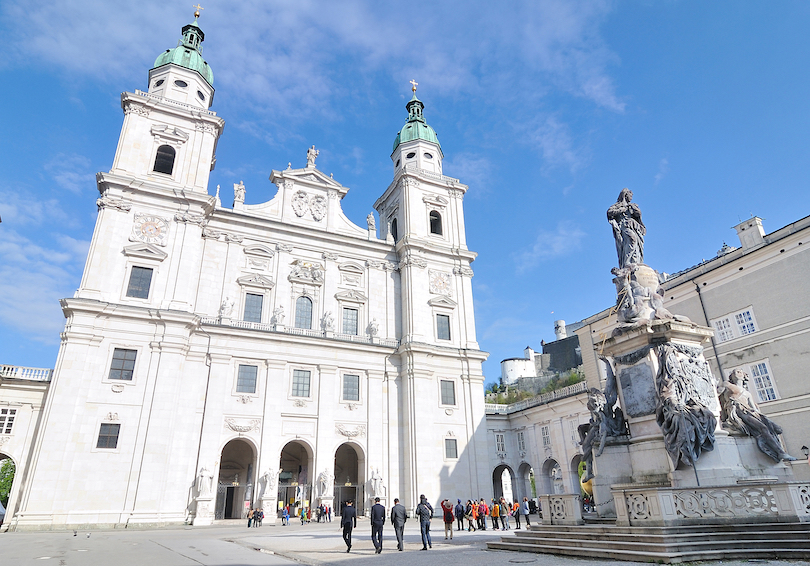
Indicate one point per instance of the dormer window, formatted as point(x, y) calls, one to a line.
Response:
point(411, 155)
point(435, 223)
point(181, 84)
point(164, 160)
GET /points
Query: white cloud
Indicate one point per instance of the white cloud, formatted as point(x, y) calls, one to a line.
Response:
point(553, 139)
point(71, 171)
point(471, 169)
point(663, 169)
point(566, 239)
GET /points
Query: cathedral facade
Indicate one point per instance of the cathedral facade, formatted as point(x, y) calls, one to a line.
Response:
point(216, 359)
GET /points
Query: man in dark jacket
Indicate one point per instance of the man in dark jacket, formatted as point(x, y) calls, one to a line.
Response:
point(348, 520)
point(377, 523)
point(460, 515)
point(424, 511)
point(398, 518)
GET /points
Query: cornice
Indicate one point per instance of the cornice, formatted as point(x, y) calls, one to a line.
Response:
point(172, 107)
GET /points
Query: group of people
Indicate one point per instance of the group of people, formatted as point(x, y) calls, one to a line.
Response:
point(475, 513)
point(255, 517)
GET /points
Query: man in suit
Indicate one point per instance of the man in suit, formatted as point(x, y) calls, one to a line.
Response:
point(398, 518)
point(348, 520)
point(377, 523)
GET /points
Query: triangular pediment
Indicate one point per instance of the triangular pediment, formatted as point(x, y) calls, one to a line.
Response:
point(442, 302)
point(351, 296)
point(145, 251)
point(256, 280)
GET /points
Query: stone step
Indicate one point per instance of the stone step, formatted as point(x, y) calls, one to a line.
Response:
point(670, 537)
point(699, 529)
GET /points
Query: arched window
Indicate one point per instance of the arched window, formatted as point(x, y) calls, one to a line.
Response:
point(164, 161)
point(435, 223)
point(394, 229)
point(303, 312)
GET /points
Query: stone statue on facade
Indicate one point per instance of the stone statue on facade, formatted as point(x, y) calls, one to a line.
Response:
point(269, 479)
point(205, 479)
point(739, 413)
point(377, 487)
point(326, 482)
point(628, 229)
point(278, 315)
point(226, 308)
point(373, 327)
point(238, 192)
point(312, 153)
point(328, 322)
point(372, 225)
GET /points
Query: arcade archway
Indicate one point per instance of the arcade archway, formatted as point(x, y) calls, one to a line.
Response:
point(503, 478)
point(237, 478)
point(551, 478)
point(349, 477)
point(294, 481)
point(524, 483)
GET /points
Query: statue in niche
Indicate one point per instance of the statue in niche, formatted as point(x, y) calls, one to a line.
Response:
point(377, 487)
point(226, 308)
point(373, 327)
point(739, 413)
point(328, 322)
point(628, 229)
point(312, 153)
point(204, 480)
point(238, 192)
point(682, 413)
point(278, 315)
point(372, 225)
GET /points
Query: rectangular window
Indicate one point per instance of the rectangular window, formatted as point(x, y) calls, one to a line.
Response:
point(521, 442)
point(763, 382)
point(734, 325)
point(246, 379)
point(108, 435)
point(572, 430)
point(351, 387)
point(140, 278)
point(546, 434)
point(350, 321)
point(123, 364)
point(7, 420)
point(448, 392)
point(253, 307)
point(443, 326)
point(450, 448)
point(300, 385)
point(500, 443)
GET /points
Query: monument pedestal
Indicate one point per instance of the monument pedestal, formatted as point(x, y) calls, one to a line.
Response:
point(270, 509)
point(205, 511)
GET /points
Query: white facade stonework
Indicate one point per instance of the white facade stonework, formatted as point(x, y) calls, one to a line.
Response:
point(230, 395)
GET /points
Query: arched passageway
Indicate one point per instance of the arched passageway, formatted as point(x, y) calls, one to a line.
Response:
point(237, 478)
point(294, 481)
point(574, 469)
point(524, 483)
point(551, 479)
point(349, 477)
point(503, 478)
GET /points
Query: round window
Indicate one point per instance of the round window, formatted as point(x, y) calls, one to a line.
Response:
point(428, 156)
point(201, 95)
point(158, 83)
point(411, 154)
point(181, 84)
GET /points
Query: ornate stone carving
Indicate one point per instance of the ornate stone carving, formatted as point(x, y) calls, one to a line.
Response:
point(4, 440)
point(269, 479)
point(435, 201)
point(238, 192)
point(557, 507)
point(317, 206)
point(235, 238)
point(115, 203)
point(244, 399)
point(372, 224)
point(226, 308)
point(205, 127)
point(197, 219)
point(149, 229)
point(135, 108)
point(329, 256)
point(117, 388)
point(205, 481)
point(351, 406)
point(328, 322)
point(209, 233)
point(373, 327)
point(411, 259)
point(373, 263)
point(739, 413)
point(726, 503)
point(249, 426)
point(299, 403)
point(607, 419)
point(112, 416)
point(278, 316)
point(256, 280)
point(300, 203)
point(331, 193)
point(628, 229)
point(357, 431)
point(411, 182)
point(306, 272)
point(463, 271)
point(326, 482)
point(284, 248)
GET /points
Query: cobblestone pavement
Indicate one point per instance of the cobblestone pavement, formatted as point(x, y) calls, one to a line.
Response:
point(235, 545)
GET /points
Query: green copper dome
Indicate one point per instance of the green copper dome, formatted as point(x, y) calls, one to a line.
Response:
point(416, 128)
point(188, 53)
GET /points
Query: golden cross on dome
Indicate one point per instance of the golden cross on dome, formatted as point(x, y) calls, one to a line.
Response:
point(197, 10)
point(414, 85)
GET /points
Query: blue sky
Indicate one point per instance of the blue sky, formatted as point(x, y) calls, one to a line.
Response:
point(546, 109)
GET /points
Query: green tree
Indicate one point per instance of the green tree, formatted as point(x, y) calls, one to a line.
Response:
point(6, 479)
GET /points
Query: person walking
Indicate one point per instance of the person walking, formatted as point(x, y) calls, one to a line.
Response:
point(398, 518)
point(503, 510)
point(424, 511)
point(524, 510)
point(459, 515)
point(348, 520)
point(471, 514)
point(448, 518)
point(377, 524)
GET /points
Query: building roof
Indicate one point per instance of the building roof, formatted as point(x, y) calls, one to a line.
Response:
point(188, 53)
point(416, 128)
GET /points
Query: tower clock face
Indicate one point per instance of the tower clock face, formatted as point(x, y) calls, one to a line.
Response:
point(440, 283)
point(150, 229)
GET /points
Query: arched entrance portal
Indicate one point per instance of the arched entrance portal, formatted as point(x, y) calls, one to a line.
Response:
point(502, 482)
point(236, 480)
point(294, 482)
point(525, 477)
point(575, 486)
point(551, 480)
point(349, 477)
point(7, 471)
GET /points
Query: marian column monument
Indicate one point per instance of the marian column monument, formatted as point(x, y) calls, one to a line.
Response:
point(670, 444)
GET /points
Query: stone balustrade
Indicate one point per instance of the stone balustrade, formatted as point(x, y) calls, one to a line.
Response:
point(29, 374)
point(568, 391)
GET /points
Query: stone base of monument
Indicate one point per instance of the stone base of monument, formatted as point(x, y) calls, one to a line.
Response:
point(270, 509)
point(204, 515)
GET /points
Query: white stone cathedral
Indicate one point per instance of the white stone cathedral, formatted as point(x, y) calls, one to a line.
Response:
point(216, 359)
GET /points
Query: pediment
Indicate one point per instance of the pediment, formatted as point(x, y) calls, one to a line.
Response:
point(169, 133)
point(435, 200)
point(312, 175)
point(259, 250)
point(351, 267)
point(352, 296)
point(145, 251)
point(256, 280)
point(442, 302)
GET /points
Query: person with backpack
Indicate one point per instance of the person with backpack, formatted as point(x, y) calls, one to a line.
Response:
point(503, 513)
point(471, 514)
point(447, 516)
point(494, 514)
point(424, 511)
